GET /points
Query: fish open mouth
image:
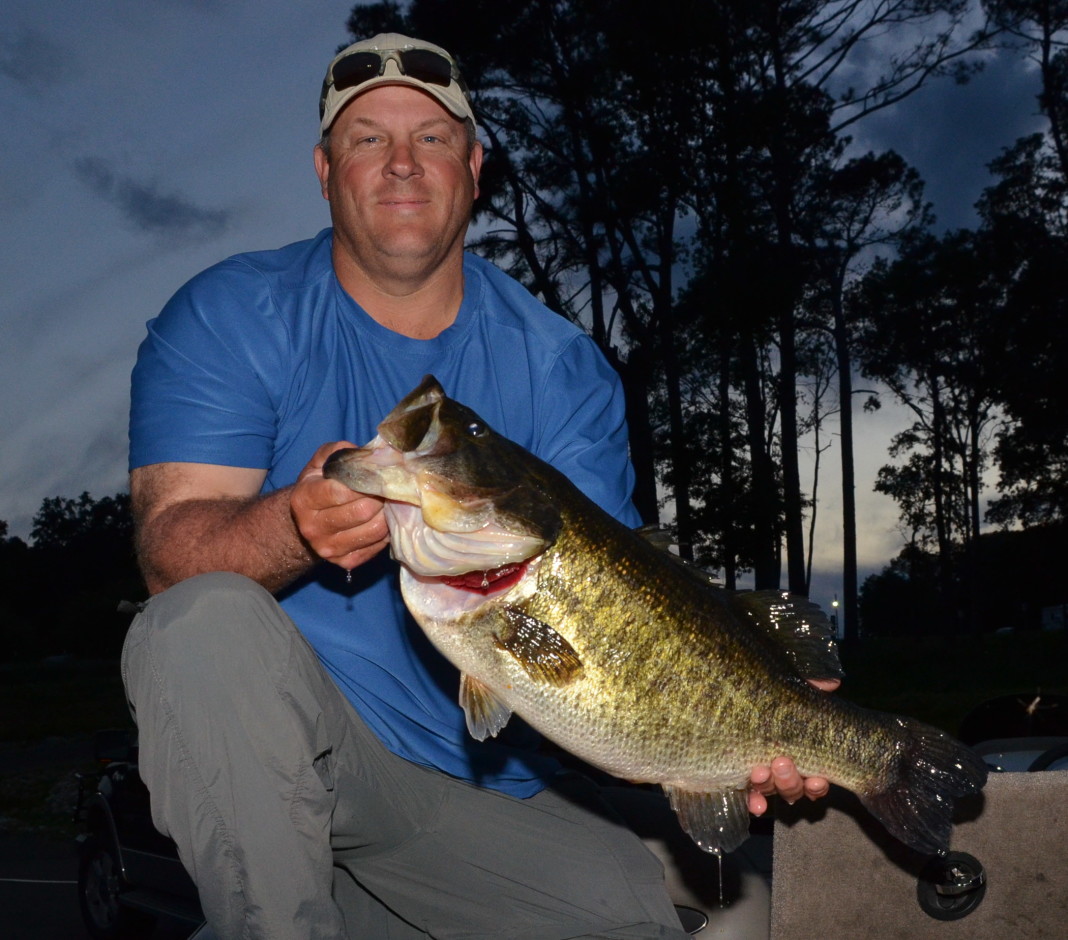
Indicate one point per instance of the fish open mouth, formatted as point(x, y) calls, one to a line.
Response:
point(489, 581)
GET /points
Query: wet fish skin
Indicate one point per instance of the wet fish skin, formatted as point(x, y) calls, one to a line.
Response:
point(617, 653)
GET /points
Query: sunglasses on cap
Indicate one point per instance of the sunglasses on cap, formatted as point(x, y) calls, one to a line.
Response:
point(424, 65)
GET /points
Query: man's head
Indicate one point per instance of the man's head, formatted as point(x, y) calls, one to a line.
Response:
point(393, 59)
point(399, 164)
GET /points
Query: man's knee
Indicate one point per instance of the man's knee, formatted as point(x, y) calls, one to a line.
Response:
point(213, 608)
point(217, 624)
point(212, 597)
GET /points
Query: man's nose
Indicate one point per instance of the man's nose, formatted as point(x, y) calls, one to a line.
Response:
point(402, 161)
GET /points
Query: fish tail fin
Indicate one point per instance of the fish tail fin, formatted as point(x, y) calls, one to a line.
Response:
point(913, 798)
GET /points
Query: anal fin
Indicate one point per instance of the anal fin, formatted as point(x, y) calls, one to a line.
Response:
point(486, 715)
point(717, 821)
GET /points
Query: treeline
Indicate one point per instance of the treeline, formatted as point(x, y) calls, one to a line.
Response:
point(60, 593)
point(679, 178)
point(1009, 579)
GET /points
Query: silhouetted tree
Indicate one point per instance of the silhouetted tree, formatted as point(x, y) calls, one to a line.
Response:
point(929, 336)
point(872, 201)
point(1040, 28)
point(608, 126)
point(63, 523)
point(1025, 221)
point(1018, 574)
point(61, 592)
point(904, 598)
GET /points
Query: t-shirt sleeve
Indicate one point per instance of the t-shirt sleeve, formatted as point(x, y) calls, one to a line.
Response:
point(584, 432)
point(200, 389)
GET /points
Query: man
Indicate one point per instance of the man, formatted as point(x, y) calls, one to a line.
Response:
point(318, 779)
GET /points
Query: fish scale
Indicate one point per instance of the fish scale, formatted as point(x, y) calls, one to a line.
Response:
point(619, 653)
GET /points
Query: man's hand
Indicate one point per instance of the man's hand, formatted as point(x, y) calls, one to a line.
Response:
point(339, 525)
point(782, 776)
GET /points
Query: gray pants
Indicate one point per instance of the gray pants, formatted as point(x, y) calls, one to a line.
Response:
point(295, 822)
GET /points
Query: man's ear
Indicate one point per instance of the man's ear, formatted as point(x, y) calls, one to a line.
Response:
point(322, 169)
point(475, 163)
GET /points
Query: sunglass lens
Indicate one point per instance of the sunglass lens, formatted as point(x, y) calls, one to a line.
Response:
point(355, 69)
point(427, 66)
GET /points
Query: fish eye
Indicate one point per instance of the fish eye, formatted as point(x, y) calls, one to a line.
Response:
point(476, 428)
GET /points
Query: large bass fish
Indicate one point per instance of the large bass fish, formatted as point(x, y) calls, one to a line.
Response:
point(618, 653)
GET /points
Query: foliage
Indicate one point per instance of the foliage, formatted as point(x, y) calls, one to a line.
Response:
point(971, 331)
point(1008, 579)
point(59, 594)
point(1025, 217)
point(66, 523)
point(904, 599)
point(928, 335)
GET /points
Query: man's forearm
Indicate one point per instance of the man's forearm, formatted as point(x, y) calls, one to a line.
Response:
point(254, 537)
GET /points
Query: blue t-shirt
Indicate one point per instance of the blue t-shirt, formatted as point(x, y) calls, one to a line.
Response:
point(262, 358)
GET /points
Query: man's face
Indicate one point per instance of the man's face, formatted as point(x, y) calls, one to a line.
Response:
point(401, 181)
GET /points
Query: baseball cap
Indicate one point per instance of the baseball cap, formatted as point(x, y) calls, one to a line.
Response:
point(392, 59)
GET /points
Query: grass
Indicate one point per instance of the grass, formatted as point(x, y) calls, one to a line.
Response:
point(40, 801)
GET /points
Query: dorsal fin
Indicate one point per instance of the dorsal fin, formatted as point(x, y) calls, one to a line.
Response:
point(794, 625)
point(660, 537)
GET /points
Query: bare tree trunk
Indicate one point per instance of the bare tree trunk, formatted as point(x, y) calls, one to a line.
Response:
point(766, 563)
point(727, 476)
point(791, 471)
point(942, 514)
point(850, 606)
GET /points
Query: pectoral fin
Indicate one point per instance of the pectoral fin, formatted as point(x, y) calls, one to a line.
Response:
point(486, 714)
point(544, 655)
point(718, 821)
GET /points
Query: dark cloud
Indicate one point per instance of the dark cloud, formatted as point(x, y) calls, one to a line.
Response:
point(950, 132)
point(29, 58)
point(148, 208)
